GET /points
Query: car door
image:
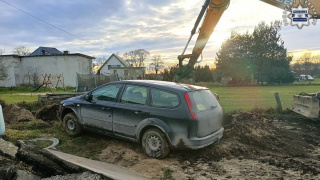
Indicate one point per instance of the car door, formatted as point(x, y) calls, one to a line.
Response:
point(130, 110)
point(97, 113)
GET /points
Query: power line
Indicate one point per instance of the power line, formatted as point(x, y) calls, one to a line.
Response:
point(41, 20)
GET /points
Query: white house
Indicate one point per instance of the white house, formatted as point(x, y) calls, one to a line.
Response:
point(116, 65)
point(45, 61)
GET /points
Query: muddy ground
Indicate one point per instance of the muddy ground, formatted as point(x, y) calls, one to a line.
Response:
point(255, 145)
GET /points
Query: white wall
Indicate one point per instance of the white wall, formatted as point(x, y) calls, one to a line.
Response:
point(133, 73)
point(68, 65)
point(11, 63)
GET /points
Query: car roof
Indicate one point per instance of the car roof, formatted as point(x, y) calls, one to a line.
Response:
point(163, 85)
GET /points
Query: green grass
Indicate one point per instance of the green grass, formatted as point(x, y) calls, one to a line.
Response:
point(87, 145)
point(248, 98)
point(14, 98)
point(231, 98)
point(28, 89)
point(13, 95)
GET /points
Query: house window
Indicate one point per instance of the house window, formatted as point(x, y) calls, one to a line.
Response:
point(118, 65)
point(109, 66)
point(114, 71)
point(126, 73)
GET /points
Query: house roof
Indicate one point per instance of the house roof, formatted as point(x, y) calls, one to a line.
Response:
point(74, 54)
point(123, 62)
point(45, 51)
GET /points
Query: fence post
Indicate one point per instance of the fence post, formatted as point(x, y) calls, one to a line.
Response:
point(279, 107)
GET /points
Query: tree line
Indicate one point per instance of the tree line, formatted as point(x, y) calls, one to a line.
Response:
point(307, 64)
point(259, 56)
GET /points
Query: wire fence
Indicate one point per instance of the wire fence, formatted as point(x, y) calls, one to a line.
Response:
point(87, 82)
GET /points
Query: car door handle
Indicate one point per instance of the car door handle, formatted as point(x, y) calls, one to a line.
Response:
point(105, 108)
point(140, 113)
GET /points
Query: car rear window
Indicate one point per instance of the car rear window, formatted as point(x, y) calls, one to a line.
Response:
point(204, 100)
point(162, 98)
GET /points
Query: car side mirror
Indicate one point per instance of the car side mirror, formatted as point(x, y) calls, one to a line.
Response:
point(87, 97)
point(216, 95)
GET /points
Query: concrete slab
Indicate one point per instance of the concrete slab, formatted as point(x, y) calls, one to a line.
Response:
point(106, 169)
point(8, 149)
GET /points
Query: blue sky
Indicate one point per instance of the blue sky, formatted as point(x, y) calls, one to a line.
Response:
point(103, 27)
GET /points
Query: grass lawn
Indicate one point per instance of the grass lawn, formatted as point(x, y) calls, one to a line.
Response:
point(231, 98)
point(88, 145)
point(15, 98)
point(247, 98)
point(19, 94)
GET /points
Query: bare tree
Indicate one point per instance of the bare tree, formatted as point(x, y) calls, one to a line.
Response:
point(3, 68)
point(157, 63)
point(136, 57)
point(131, 58)
point(21, 51)
point(100, 61)
point(306, 60)
point(32, 76)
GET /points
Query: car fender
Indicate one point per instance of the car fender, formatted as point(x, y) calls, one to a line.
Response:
point(155, 123)
point(68, 108)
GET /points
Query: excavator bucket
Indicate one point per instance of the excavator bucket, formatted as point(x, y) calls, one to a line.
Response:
point(306, 105)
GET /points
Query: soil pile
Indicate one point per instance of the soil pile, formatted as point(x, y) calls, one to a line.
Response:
point(252, 135)
point(48, 112)
point(13, 113)
point(253, 146)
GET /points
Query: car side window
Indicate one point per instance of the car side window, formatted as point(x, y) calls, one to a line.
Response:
point(134, 95)
point(106, 93)
point(162, 98)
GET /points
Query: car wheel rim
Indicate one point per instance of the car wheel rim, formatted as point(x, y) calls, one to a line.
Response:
point(154, 143)
point(71, 124)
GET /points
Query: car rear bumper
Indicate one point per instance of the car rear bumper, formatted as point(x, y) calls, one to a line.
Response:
point(198, 143)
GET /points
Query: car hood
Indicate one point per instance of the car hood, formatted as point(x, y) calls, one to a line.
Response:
point(72, 100)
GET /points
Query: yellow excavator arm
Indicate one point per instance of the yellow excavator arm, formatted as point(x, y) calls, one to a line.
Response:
point(213, 10)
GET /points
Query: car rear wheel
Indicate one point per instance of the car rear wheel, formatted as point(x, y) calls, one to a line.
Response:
point(155, 144)
point(71, 125)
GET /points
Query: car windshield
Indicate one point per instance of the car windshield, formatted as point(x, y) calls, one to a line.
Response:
point(204, 100)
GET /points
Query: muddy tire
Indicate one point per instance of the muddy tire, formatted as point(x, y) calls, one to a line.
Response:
point(71, 125)
point(155, 143)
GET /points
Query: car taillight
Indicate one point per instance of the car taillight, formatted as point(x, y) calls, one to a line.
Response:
point(190, 106)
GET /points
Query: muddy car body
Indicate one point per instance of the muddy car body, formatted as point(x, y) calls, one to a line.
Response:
point(160, 115)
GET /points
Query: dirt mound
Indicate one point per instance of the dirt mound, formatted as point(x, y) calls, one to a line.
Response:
point(250, 135)
point(122, 153)
point(13, 113)
point(2, 103)
point(254, 146)
point(30, 106)
point(131, 155)
point(48, 112)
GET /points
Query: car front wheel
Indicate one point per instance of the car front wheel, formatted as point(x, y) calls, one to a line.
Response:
point(155, 143)
point(71, 125)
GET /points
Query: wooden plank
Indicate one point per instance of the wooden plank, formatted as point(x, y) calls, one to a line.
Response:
point(106, 169)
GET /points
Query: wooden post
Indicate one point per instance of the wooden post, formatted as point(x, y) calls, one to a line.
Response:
point(279, 106)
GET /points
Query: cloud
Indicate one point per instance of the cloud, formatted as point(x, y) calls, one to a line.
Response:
point(111, 26)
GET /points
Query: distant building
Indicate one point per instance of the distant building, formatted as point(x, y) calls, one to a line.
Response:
point(41, 51)
point(45, 60)
point(116, 65)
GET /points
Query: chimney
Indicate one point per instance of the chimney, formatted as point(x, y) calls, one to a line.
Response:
point(66, 52)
